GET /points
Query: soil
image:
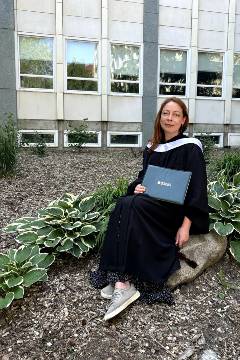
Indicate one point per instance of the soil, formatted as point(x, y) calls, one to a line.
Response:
point(63, 318)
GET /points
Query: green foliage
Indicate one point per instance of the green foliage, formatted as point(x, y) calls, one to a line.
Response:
point(229, 161)
point(208, 146)
point(8, 145)
point(36, 142)
point(78, 136)
point(19, 269)
point(224, 200)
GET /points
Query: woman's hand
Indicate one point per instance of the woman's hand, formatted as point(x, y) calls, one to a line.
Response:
point(182, 235)
point(139, 189)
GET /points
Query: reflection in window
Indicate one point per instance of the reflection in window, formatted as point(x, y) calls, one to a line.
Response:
point(82, 68)
point(236, 77)
point(172, 72)
point(125, 68)
point(210, 71)
point(36, 62)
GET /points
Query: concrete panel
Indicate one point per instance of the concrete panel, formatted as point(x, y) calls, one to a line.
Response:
point(214, 5)
point(150, 62)
point(47, 6)
point(125, 109)
point(174, 36)
point(7, 44)
point(208, 128)
point(235, 112)
point(237, 24)
point(234, 140)
point(7, 101)
point(176, 17)
point(151, 6)
point(79, 107)
point(34, 124)
point(40, 23)
point(184, 4)
point(125, 11)
point(114, 126)
point(237, 42)
point(213, 21)
point(36, 105)
point(7, 73)
point(81, 27)
point(6, 14)
point(84, 8)
point(209, 111)
point(124, 31)
point(237, 6)
point(212, 40)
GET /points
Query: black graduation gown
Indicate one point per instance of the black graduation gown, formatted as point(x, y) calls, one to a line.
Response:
point(140, 239)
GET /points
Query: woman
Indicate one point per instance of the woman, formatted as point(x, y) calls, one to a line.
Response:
point(144, 234)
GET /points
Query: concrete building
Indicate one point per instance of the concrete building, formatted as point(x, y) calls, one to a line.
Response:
point(113, 62)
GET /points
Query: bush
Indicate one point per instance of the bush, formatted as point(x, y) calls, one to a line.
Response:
point(229, 162)
point(8, 145)
point(37, 143)
point(79, 135)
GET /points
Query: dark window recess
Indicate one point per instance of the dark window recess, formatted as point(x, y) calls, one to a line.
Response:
point(81, 70)
point(172, 78)
point(124, 139)
point(83, 85)
point(172, 90)
point(36, 82)
point(122, 87)
point(92, 138)
point(209, 78)
point(236, 93)
point(214, 138)
point(34, 138)
point(209, 91)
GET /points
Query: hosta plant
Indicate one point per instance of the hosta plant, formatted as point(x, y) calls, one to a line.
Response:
point(19, 269)
point(68, 224)
point(224, 200)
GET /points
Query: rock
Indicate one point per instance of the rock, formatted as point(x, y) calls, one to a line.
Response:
point(200, 252)
point(187, 353)
point(209, 355)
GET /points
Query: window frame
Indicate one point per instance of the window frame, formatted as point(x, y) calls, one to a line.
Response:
point(49, 132)
point(220, 142)
point(140, 82)
point(98, 42)
point(234, 98)
point(18, 74)
point(237, 134)
point(187, 50)
point(98, 144)
point(212, 86)
point(138, 133)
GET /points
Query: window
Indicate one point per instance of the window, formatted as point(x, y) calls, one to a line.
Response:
point(124, 139)
point(125, 68)
point(82, 65)
point(236, 77)
point(172, 72)
point(210, 71)
point(207, 139)
point(71, 140)
point(32, 137)
point(36, 62)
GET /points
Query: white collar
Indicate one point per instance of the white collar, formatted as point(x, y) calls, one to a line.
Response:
point(174, 144)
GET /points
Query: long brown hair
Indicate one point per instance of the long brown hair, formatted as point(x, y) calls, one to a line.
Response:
point(158, 133)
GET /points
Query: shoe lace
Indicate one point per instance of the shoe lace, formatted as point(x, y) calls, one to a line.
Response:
point(115, 296)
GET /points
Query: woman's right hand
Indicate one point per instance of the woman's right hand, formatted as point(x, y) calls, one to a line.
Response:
point(139, 189)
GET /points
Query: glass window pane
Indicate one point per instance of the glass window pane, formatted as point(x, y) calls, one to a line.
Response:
point(124, 139)
point(74, 138)
point(173, 66)
point(236, 93)
point(125, 62)
point(36, 55)
point(209, 91)
point(236, 71)
point(172, 90)
point(82, 59)
point(82, 85)
point(214, 138)
point(210, 68)
point(125, 87)
point(35, 137)
point(36, 82)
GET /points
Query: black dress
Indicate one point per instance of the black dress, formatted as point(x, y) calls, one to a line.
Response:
point(140, 240)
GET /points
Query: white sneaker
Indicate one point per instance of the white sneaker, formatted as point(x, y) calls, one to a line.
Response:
point(107, 292)
point(121, 298)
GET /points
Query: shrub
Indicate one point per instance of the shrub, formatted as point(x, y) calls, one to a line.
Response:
point(8, 146)
point(229, 162)
point(37, 143)
point(79, 135)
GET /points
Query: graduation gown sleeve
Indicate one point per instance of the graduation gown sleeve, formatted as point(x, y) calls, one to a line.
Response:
point(196, 202)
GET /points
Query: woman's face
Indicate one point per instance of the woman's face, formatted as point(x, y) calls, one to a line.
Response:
point(171, 119)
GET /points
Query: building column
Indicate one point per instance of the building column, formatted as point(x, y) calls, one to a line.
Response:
point(104, 71)
point(150, 66)
point(193, 67)
point(59, 72)
point(229, 59)
point(8, 96)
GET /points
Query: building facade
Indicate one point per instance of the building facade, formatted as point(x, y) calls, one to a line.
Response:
point(113, 62)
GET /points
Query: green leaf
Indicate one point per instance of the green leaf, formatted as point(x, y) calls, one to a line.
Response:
point(214, 216)
point(236, 179)
point(4, 260)
point(56, 234)
point(35, 250)
point(237, 226)
point(87, 204)
point(223, 229)
point(73, 236)
point(76, 251)
point(38, 224)
point(87, 229)
point(26, 265)
point(11, 254)
point(224, 205)
point(33, 276)
point(25, 219)
point(76, 225)
point(14, 281)
point(36, 259)
point(23, 253)
point(66, 245)
point(55, 211)
point(49, 259)
point(89, 242)
point(235, 249)
point(5, 302)
point(68, 197)
point(73, 213)
point(11, 228)
point(64, 204)
point(27, 237)
point(92, 216)
point(214, 202)
point(53, 243)
point(44, 231)
point(82, 246)
point(218, 188)
point(54, 221)
point(18, 292)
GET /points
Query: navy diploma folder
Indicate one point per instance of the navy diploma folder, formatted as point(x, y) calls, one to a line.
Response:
point(166, 184)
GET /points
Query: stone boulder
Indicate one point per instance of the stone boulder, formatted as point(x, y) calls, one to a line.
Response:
point(200, 252)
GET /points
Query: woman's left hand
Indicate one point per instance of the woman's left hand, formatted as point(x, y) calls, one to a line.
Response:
point(182, 236)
